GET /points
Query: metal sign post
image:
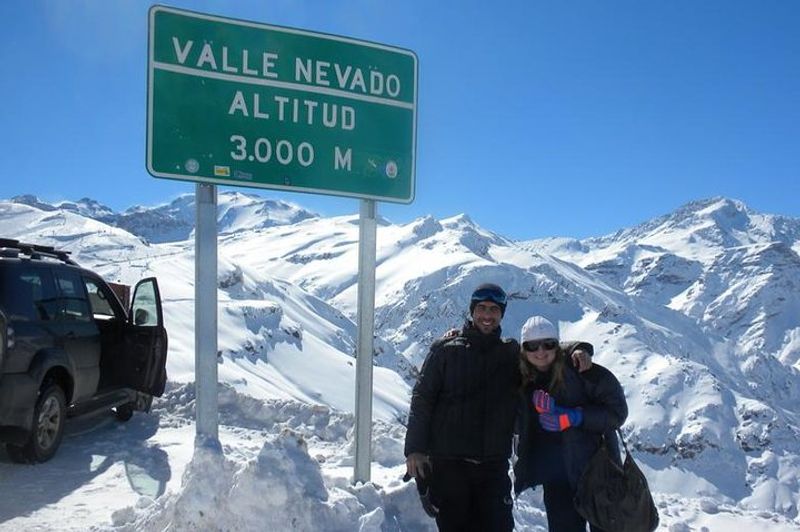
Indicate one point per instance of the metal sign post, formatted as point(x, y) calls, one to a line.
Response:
point(367, 233)
point(205, 314)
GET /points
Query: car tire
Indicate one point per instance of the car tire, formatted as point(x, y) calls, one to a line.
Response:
point(49, 416)
point(144, 402)
point(124, 412)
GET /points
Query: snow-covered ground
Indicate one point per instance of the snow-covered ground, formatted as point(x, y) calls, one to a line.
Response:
point(283, 465)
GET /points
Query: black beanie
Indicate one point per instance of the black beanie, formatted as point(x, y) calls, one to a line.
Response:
point(488, 292)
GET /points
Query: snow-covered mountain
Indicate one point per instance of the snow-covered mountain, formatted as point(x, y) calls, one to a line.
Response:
point(696, 312)
point(175, 221)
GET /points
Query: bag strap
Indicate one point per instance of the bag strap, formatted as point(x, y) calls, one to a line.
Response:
point(624, 445)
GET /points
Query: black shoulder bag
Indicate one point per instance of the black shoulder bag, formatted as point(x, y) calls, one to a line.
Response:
point(615, 498)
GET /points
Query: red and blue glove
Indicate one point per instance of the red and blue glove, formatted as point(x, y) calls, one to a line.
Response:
point(561, 419)
point(554, 418)
point(542, 401)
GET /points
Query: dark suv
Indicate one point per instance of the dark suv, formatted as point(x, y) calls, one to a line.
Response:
point(68, 347)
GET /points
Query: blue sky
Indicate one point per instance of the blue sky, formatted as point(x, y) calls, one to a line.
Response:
point(536, 118)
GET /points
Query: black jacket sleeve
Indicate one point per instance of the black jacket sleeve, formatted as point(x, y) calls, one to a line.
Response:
point(571, 347)
point(607, 408)
point(423, 401)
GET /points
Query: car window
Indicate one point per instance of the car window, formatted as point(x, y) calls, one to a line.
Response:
point(72, 296)
point(145, 311)
point(99, 300)
point(28, 294)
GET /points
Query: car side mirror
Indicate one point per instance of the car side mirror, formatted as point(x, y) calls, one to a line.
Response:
point(141, 317)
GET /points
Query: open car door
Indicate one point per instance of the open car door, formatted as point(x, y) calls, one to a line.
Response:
point(145, 356)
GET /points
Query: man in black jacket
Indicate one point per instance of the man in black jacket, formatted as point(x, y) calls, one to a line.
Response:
point(462, 418)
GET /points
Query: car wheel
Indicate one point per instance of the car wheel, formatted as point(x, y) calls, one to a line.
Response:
point(124, 412)
point(49, 416)
point(144, 402)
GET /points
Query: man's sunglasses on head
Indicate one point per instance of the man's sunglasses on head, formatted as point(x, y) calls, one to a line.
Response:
point(487, 294)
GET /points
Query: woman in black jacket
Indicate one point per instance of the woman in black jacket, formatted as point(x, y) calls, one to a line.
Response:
point(563, 417)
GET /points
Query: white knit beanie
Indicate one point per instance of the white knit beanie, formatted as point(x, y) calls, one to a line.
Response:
point(538, 328)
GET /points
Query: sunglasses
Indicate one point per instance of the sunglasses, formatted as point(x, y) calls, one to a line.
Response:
point(487, 294)
point(534, 345)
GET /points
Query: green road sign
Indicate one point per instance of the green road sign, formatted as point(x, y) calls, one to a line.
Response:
point(241, 103)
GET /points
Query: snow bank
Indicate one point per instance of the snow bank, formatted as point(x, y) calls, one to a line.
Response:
point(283, 486)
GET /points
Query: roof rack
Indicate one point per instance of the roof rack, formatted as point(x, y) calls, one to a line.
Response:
point(34, 251)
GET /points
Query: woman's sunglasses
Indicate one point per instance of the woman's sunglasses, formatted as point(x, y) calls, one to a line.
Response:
point(536, 344)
